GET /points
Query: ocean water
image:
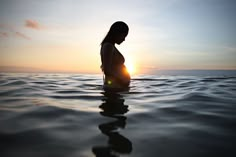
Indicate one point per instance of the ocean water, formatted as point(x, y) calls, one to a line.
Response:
point(162, 115)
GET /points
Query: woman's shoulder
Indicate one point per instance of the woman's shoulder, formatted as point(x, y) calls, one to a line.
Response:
point(107, 46)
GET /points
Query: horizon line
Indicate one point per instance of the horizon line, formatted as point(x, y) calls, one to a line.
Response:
point(15, 69)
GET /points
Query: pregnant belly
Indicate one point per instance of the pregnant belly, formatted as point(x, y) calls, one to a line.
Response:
point(124, 74)
point(122, 78)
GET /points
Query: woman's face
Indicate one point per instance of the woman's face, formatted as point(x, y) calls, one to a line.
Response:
point(120, 38)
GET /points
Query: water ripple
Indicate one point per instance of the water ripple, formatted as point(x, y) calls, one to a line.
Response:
point(70, 115)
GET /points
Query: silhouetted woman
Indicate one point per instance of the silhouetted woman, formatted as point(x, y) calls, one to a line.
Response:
point(116, 74)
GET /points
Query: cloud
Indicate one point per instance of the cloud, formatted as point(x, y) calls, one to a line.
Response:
point(32, 24)
point(21, 35)
point(3, 34)
point(10, 31)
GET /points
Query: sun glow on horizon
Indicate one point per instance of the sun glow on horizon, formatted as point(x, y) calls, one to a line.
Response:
point(48, 36)
point(131, 67)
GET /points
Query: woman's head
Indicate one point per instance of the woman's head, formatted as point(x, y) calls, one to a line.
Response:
point(117, 33)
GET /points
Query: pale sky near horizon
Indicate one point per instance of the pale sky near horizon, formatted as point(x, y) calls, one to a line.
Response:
point(65, 35)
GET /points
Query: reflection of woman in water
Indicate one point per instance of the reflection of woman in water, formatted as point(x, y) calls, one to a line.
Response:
point(116, 74)
point(113, 106)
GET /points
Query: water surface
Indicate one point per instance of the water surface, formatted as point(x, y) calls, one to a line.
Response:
point(161, 115)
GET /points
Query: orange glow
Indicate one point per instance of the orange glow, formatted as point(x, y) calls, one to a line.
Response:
point(131, 67)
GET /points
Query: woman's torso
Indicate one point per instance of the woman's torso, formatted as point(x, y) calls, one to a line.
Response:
point(117, 58)
point(117, 63)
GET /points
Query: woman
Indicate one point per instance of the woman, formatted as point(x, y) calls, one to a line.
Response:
point(116, 74)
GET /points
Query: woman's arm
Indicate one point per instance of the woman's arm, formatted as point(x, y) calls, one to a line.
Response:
point(107, 52)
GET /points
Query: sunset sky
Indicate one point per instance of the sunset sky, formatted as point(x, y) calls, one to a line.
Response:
point(65, 35)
